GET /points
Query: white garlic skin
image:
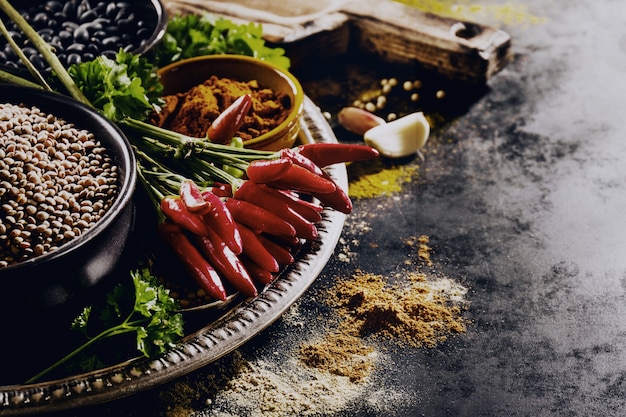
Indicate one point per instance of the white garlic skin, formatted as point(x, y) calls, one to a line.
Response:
point(400, 138)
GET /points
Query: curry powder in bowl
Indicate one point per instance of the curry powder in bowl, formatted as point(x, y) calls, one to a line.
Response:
point(197, 90)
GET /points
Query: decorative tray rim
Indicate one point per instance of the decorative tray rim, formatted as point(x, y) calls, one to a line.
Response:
point(211, 342)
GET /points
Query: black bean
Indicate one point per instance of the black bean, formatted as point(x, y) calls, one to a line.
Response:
point(111, 41)
point(38, 62)
point(53, 23)
point(121, 14)
point(76, 48)
point(60, 16)
point(81, 35)
point(82, 8)
point(69, 25)
point(40, 20)
point(46, 31)
point(53, 6)
point(109, 53)
point(70, 9)
point(144, 33)
point(125, 23)
point(87, 56)
point(93, 27)
point(66, 37)
point(112, 30)
point(111, 10)
point(88, 16)
point(74, 58)
point(29, 51)
point(92, 48)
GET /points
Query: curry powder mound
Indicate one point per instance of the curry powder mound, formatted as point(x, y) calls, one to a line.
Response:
point(421, 314)
point(339, 353)
point(191, 113)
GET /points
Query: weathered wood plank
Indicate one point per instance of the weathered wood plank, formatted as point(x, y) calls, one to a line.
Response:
point(390, 30)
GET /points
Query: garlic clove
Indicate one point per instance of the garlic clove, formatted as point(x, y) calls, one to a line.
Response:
point(358, 120)
point(401, 137)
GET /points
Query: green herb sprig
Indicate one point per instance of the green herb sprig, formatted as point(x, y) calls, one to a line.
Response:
point(147, 310)
point(195, 35)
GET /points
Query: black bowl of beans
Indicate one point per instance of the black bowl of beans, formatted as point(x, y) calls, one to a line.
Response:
point(67, 179)
point(80, 30)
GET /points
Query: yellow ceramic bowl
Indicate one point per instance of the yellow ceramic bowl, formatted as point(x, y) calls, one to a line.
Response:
point(185, 74)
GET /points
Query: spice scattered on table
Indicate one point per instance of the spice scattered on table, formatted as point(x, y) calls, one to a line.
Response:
point(339, 353)
point(419, 312)
point(375, 179)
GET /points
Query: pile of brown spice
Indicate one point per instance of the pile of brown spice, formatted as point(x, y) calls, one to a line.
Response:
point(339, 353)
point(423, 312)
point(192, 112)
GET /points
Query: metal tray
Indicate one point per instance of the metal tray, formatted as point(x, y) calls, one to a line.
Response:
point(216, 339)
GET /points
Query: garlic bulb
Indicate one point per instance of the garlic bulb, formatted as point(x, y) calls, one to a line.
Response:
point(401, 137)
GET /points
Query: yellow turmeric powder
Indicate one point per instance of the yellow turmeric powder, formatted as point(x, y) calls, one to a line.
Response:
point(375, 179)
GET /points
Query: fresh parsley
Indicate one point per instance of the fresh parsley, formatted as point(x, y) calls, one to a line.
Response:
point(147, 310)
point(125, 87)
point(193, 35)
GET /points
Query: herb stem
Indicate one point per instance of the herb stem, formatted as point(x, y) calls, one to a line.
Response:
point(46, 51)
point(103, 335)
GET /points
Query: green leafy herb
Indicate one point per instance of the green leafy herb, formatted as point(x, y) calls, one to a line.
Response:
point(147, 310)
point(194, 35)
point(127, 86)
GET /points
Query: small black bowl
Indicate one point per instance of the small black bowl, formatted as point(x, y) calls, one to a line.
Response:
point(43, 283)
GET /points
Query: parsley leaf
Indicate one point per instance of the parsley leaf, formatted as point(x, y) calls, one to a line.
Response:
point(127, 86)
point(195, 35)
point(147, 310)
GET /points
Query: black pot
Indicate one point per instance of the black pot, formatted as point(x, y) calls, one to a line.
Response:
point(42, 284)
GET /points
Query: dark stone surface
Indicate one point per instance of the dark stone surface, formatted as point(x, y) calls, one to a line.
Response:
point(523, 193)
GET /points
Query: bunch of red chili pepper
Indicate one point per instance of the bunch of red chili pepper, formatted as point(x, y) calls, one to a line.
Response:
point(245, 235)
point(242, 229)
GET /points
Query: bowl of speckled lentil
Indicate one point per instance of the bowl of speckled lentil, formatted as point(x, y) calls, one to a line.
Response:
point(67, 178)
point(197, 90)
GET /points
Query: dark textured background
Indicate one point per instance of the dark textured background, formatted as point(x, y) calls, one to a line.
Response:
point(523, 193)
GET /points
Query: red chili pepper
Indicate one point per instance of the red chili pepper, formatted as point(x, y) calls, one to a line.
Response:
point(174, 209)
point(272, 200)
point(202, 272)
point(221, 190)
point(254, 249)
point(338, 200)
point(312, 205)
point(276, 197)
point(280, 253)
point(226, 263)
point(302, 180)
point(192, 197)
point(257, 273)
point(226, 125)
point(263, 171)
point(300, 160)
point(324, 154)
point(220, 219)
point(258, 218)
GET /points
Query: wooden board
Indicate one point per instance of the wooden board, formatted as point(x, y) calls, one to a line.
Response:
point(386, 29)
